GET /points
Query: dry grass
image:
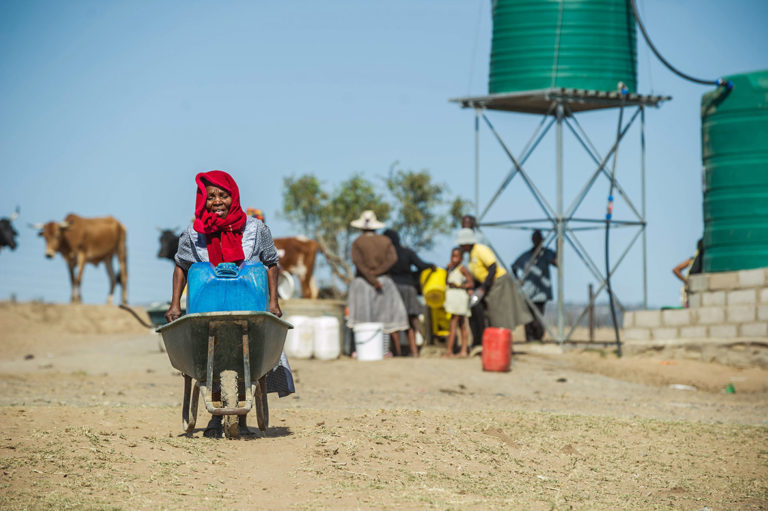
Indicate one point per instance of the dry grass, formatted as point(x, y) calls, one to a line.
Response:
point(96, 425)
point(499, 460)
point(392, 459)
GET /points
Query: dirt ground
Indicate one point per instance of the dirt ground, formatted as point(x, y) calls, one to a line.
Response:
point(91, 420)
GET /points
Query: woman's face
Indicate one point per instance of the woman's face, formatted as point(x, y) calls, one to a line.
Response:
point(218, 201)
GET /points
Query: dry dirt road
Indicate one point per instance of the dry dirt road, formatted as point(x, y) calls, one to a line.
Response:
point(93, 422)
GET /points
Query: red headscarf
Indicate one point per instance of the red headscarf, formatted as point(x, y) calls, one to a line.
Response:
point(224, 236)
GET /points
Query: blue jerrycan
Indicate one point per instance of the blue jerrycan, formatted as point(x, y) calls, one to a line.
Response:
point(227, 287)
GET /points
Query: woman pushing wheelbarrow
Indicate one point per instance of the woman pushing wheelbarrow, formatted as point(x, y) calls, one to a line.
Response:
point(231, 341)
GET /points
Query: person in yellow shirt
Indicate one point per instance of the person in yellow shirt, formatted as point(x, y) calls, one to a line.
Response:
point(505, 306)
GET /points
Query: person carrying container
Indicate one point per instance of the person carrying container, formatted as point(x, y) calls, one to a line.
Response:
point(221, 232)
point(505, 306)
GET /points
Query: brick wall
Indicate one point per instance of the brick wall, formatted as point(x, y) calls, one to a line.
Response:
point(725, 306)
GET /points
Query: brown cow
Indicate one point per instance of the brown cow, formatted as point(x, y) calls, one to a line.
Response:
point(88, 240)
point(297, 256)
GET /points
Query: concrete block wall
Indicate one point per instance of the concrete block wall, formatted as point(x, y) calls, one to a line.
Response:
point(724, 306)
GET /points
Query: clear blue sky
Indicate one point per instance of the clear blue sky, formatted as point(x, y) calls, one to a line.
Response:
point(111, 107)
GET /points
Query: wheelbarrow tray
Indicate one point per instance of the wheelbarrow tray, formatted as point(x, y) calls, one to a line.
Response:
point(186, 342)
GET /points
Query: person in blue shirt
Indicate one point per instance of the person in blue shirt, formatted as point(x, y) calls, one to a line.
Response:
point(532, 267)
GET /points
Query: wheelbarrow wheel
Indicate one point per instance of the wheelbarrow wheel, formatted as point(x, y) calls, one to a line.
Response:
point(262, 405)
point(229, 400)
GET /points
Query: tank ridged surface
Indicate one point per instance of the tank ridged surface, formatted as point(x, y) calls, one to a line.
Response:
point(734, 133)
point(580, 44)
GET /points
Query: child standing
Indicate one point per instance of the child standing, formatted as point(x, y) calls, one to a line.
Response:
point(459, 287)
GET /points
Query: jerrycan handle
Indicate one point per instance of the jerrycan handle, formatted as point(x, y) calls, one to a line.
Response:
point(226, 270)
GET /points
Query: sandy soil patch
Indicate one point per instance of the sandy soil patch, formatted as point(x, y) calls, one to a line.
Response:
point(94, 422)
point(31, 328)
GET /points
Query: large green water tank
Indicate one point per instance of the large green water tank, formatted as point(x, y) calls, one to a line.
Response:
point(580, 44)
point(734, 136)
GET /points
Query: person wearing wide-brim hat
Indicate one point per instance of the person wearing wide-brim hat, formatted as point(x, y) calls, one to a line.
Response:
point(373, 296)
point(505, 306)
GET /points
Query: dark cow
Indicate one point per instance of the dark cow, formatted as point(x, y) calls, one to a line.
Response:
point(297, 256)
point(7, 232)
point(88, 240)
point(169, 244)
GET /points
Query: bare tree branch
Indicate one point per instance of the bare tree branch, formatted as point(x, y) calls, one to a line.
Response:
point(340, 267)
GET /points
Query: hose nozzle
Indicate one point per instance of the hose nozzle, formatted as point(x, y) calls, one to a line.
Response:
point(724, 82)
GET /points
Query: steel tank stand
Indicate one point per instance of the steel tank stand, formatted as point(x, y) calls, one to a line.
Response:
point(559, 108)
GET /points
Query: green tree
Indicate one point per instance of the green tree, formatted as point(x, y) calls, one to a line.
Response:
point(327, 215)
point(417, 207)
point(335, 235)
point(303, 199)
point(423, 210)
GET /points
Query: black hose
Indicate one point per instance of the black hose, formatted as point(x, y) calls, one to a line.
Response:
point(608, 217)
point(719, 81)
point(135, 315)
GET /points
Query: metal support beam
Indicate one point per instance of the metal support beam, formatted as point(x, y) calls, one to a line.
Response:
point(477, 162)
point(534, 191)
point(642, 206)
point(563, 224)
point(582, 253)
point(560, 226)
point(531, 146)
point(603, 285)
point(600, 168)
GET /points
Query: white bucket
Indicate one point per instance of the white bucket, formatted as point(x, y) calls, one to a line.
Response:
point(326, 346)
point(300, 339)
point(369, 341)
point(285, 285)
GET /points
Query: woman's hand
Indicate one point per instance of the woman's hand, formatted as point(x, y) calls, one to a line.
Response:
point(179, 281)
point(272, 273)
point(174, 312)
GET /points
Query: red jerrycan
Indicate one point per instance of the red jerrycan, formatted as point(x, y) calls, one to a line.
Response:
point(497, 349)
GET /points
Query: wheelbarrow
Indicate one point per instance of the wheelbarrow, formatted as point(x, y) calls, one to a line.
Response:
point(204, 346)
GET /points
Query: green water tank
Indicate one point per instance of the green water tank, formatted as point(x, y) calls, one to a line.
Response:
point(734, 139)
point(580, 44)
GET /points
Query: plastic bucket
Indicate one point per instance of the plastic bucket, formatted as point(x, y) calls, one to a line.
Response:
point(433, 287)
point(497, 349)
point(369, 341)
point(299, 342)
point(285, 285)
point(326, 342)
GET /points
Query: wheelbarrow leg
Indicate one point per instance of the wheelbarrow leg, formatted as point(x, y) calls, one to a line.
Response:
point(262, 405)
point(189, 407)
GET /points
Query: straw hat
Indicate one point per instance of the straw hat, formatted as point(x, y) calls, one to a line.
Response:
point(367, 221)
point(466, 236)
